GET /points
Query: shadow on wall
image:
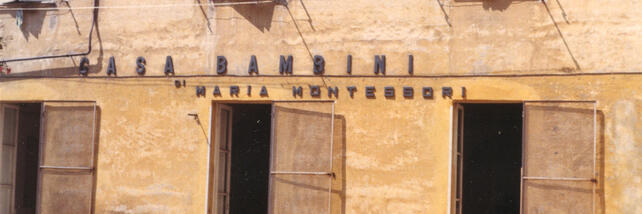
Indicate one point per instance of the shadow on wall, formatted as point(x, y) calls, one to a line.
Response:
point(32, 22)
point(495, 4)
point(33, 25)
point(260, 15)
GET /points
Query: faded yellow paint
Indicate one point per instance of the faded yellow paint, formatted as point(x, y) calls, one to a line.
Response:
point(153, 158)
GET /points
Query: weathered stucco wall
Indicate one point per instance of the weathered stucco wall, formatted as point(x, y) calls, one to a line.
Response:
point(153, 157)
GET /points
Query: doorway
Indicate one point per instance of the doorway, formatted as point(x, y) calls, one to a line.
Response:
point(243, 162)
point(489, 158)
point(20, 131)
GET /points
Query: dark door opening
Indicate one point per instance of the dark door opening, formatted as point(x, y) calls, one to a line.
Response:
point(19, 158)
point(250, 171)
point(492, 158)
point(244, 158)
point(27, 158)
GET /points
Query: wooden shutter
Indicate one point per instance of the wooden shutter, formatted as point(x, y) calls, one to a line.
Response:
point(301, 157)
point(66, 171)
point(222, 157)
point(558, 174)
point(8, 146)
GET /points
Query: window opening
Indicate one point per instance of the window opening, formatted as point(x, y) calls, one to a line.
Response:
point(488, 158)
point(19, 128)
point(243, 142)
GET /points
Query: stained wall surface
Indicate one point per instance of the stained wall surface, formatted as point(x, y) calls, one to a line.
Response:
point(394, 154)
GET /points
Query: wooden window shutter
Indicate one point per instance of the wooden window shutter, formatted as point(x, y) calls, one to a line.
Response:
point(67, 147)
point(301, 157)
point(559, 154)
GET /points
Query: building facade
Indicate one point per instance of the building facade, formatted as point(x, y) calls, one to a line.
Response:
point(307, 106)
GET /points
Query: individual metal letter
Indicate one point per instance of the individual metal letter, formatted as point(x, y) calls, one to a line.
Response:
point(370, 90)
point(200, 91)
point(315, 91)
point(111, 68)
point(352, 89)
point(411, 64)
point(408, 92)
point(234, 90)
point(217, 91)
point(334, 91)
point(319, 65)
point(83, 67)
point(427, 92)
point(169, 65)
point(389, 92)
point(447, 92)
point(254, 67)
point(349, 64)
point(264, 92)
point(297, 91)
point(140, 65)
point(285, 66)
point(380, 64)
point(221, 65)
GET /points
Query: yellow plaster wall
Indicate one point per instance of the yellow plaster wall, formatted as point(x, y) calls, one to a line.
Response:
point(153, 157)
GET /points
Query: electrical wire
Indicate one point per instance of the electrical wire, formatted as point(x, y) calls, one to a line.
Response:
point(139, 6)
point(91, 32)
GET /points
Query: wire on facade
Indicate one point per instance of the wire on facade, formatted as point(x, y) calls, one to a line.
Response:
point(91, 32)
point(143, 6)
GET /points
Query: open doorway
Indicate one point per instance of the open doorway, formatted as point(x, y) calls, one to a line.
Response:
point(488, 151)
point(20, 131)
point(242, 140)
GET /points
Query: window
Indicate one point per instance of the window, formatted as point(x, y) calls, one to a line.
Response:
point(47, 157)
point(276, 158)
point(548, 167)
